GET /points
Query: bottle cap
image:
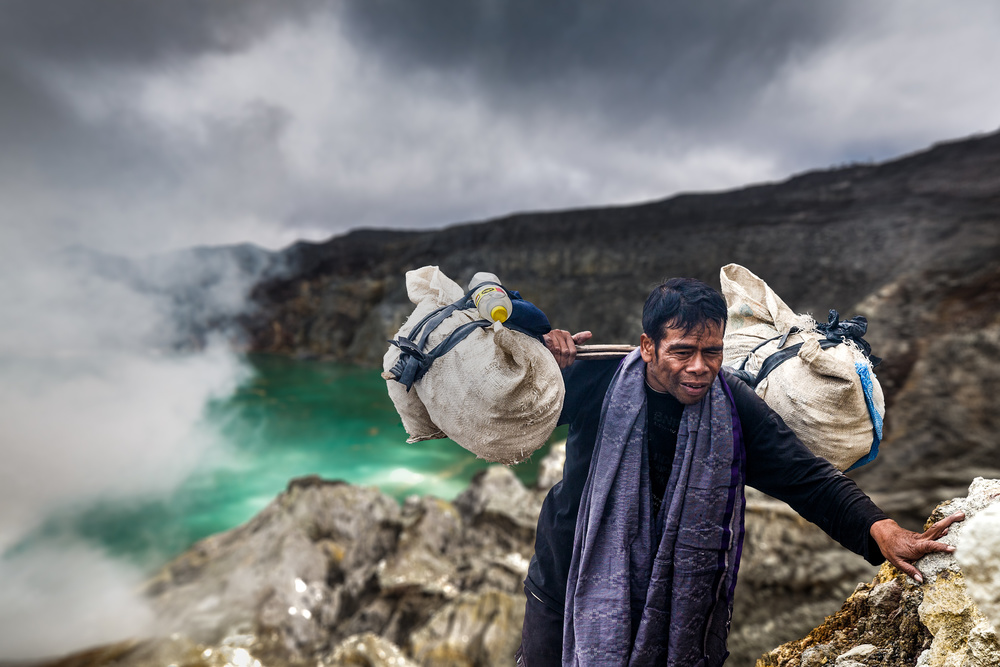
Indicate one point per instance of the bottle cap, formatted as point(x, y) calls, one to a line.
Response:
point(499, 314)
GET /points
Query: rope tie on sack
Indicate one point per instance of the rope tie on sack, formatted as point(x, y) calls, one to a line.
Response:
point(853, 330)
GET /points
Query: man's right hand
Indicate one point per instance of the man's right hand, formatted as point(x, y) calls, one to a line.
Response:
point(562, 345)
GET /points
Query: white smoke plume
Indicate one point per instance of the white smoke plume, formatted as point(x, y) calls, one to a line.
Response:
point(101, 399)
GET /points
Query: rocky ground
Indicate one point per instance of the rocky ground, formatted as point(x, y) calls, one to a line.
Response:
point(895, 622)
point(333, 574)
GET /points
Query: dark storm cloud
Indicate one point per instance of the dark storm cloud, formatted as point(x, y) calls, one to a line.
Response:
point(201, 117)
point(44, 138)
point(692, 62)
point(138, 32)
point(52, 154)
point(636, 59)
point(85, 37)
point(54, 151)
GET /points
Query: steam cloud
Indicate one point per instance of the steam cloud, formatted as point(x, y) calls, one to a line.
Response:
point(95, 405)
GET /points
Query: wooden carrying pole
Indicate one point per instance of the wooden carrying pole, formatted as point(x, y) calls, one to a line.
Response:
point(602, 351)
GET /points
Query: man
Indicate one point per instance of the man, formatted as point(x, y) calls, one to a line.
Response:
point(638, 546)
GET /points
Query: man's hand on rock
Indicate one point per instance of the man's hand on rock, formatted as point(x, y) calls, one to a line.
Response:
point(903, 547)
point(562, 345)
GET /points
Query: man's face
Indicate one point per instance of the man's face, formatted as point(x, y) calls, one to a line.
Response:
point(686, 362)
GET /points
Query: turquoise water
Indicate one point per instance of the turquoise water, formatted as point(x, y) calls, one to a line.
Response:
point(290, 419)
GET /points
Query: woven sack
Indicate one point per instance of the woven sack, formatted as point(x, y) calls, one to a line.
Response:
point(820, 393)
point(498, 393)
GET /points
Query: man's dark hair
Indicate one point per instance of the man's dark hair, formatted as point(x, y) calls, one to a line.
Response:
point(681, 303)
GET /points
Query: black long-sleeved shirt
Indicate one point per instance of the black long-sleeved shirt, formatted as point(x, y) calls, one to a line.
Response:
point(777, 464)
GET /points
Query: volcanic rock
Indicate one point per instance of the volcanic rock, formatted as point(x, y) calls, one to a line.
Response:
point(893, 621)
point(334, 574)
point(979, 557)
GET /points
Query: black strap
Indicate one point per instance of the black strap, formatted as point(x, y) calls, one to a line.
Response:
point(436, 317)
point(835, 332)
point(781, 356)
point(783, 337)
point(413, 361)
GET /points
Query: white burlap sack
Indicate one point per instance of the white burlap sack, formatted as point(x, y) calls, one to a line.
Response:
point(818, 393)
point(498, 393)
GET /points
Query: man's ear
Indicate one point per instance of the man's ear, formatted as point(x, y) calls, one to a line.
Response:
point(647, 348)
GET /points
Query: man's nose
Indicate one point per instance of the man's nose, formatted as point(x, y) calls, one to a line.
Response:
point(697, 365)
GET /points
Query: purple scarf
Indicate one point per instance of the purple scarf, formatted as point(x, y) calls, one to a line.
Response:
point(636, 594)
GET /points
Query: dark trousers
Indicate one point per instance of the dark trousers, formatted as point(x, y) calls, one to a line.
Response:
point(541, 635)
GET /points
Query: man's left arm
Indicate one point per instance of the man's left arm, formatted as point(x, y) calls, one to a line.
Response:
point(780, 465)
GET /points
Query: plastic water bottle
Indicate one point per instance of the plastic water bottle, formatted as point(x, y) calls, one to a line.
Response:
point(490, 298)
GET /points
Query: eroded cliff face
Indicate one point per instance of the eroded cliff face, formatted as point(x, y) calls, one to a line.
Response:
point(912, 244)
point(924, 226)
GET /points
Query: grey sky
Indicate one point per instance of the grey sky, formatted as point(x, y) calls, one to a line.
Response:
point(135, 126)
